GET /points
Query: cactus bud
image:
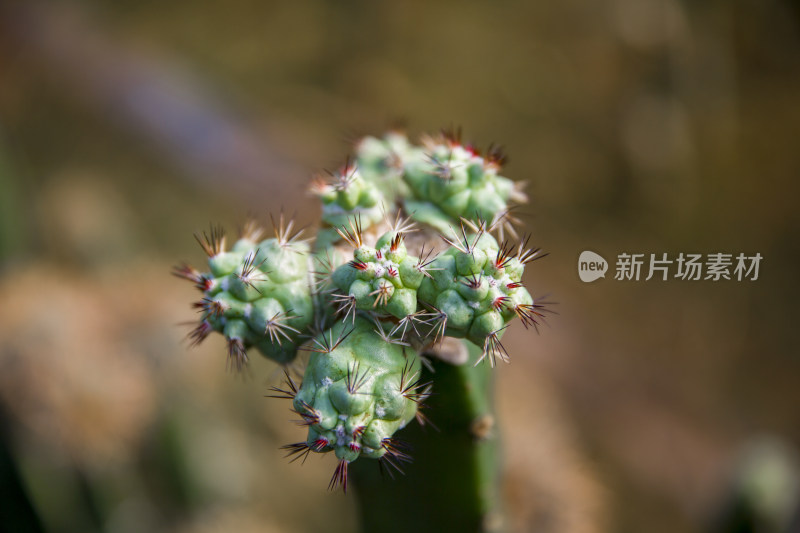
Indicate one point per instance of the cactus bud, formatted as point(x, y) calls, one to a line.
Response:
point(257, 294)
point(358, 390)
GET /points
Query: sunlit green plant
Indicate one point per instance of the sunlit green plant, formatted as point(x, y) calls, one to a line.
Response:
point(372, 300)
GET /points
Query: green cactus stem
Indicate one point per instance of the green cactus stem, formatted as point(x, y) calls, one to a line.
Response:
point(476, 288)
point(358, 389)
point(345, 195)
point(452, 484)
point(449, 180)
point(257, 294)
point(382, 162)
point(383, 279)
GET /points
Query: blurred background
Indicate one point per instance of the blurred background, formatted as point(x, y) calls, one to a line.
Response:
point(644, 126)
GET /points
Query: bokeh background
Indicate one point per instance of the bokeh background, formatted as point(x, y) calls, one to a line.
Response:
point(640, 125)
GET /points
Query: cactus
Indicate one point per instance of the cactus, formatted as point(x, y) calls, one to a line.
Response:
point(345, 196)
point(382, 162)
point(257, 294)
point(359, 388)
point(476, 287)
point(381, 302)
point(383, 279)
point(443, 181)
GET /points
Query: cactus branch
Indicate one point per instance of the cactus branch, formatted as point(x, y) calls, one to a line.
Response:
point(452, 482)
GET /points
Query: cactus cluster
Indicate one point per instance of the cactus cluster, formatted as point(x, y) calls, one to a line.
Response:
point(442, 181)
point(476, 287)
point(472, 290)
point(380, 304)
point(359, 388)
point(257, 293)
point(382, 279)
point(346, 195)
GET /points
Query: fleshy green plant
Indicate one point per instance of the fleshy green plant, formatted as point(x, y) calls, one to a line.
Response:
point(378, 309)
point(257, 294)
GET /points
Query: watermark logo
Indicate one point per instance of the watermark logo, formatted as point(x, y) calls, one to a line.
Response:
point(683, 266)
point(591, 266)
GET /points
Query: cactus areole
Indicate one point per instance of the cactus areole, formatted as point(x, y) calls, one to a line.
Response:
point(411, 249)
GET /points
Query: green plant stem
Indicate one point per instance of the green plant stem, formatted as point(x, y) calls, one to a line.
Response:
point(452, 483)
